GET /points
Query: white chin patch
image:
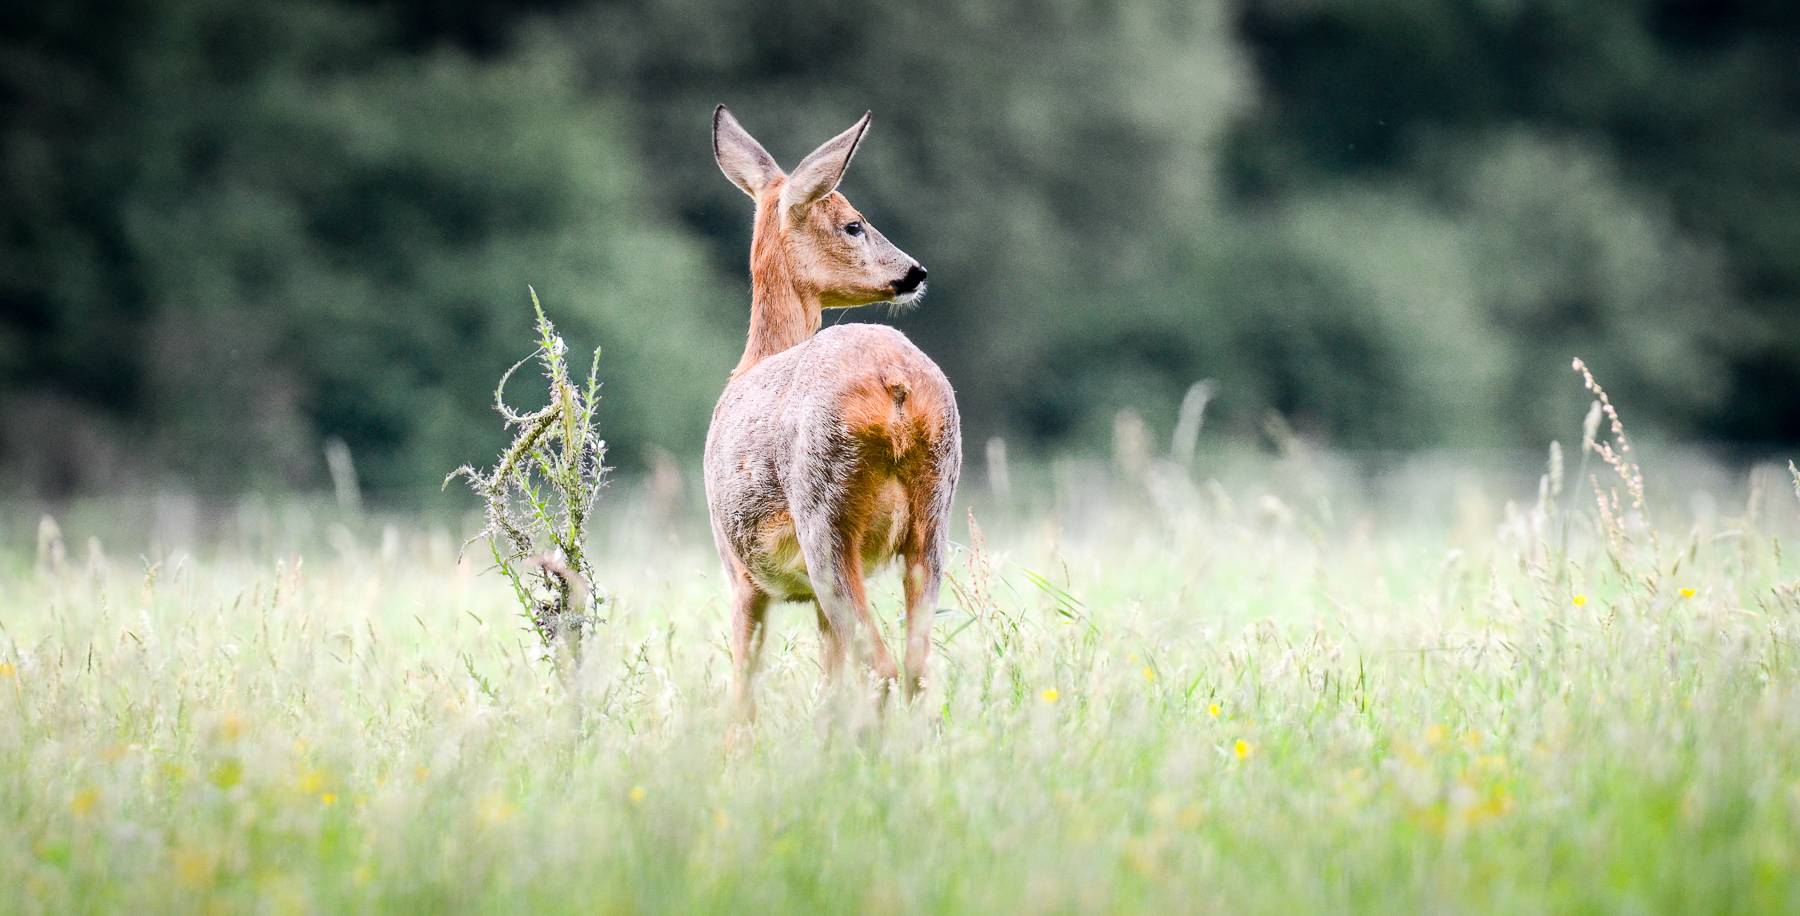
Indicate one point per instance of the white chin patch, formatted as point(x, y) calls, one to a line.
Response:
point(911, 297)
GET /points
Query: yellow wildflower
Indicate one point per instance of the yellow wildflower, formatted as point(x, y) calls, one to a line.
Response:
point(1050, 695)
point(6, 669)
point(637, 795)
point(1149, 675)
point(1143, 854)
point(84, 801)
point(1212, 709)
point(1241, 749)
point(311, 781)
point(1687, 593)
point(493, 808)
point(1579, 600)
point(194, 865)
point(228, 772)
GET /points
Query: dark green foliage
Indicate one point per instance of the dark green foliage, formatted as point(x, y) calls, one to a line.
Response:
point(1693, 105)
point(229, 229)
point(273, 228)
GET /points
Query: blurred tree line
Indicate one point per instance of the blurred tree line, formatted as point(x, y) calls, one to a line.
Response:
point(231, 228)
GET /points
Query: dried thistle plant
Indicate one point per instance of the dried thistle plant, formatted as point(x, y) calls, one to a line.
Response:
point(538, 497)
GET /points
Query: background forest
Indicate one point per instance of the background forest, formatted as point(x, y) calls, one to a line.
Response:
point(232, 229)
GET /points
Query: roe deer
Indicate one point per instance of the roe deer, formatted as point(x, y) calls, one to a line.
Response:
point(831, 452)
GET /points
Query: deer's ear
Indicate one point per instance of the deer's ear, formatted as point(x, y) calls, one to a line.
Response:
point(818, 174)
point(741, 158)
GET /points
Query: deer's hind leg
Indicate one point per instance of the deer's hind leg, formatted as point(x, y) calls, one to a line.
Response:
point(843, 605)
point(922, 555)
point(861, 634)
point(923, 578)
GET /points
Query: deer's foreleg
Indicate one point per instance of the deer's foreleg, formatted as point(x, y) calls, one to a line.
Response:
point(749, 607)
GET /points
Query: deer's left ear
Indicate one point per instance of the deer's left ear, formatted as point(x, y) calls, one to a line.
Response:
point(819, 173)
point(740, 157)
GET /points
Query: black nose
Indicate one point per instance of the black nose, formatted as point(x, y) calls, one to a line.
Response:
point(911, 281)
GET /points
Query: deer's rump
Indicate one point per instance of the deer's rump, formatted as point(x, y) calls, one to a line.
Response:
point(852, 435)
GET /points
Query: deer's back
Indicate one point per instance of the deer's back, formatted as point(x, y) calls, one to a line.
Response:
point(856, 429)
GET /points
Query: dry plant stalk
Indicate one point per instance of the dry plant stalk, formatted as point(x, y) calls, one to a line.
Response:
point(538, 497)
point(1620, 458)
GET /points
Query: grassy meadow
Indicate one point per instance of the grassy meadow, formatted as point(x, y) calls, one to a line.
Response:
point(1313, 683)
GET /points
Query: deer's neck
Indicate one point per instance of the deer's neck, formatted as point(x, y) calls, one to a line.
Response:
point(782, 315)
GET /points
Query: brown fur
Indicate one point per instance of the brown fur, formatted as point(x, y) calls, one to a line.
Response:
point(830, 454)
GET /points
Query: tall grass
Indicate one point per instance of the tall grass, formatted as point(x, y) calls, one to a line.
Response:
point(1283, 692)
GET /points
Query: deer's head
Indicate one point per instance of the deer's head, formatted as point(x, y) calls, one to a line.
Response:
point(807, 235)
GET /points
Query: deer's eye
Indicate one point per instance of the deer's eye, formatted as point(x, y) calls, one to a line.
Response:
point(853, 228)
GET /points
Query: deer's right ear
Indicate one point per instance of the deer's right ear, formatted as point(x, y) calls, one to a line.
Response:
point(741, 158)
point(818, 174)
